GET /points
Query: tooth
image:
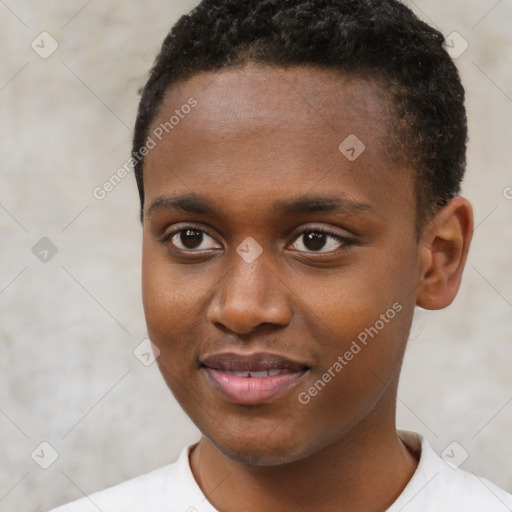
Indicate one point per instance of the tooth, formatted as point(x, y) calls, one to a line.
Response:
point(274, 372)
point(262, 373)
point(239, 374)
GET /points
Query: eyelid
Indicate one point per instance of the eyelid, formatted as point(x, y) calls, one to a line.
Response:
point(345, 241)
point(346, 235)
point(182, 227)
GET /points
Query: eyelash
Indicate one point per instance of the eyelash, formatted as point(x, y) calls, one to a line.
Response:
point(345, 243)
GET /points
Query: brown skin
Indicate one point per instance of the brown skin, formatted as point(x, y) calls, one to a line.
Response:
point(258, 136)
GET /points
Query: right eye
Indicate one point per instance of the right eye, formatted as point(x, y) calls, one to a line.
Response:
point(191, 239)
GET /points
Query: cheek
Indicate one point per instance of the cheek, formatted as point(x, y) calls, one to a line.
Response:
point(170, 299)
point(360, 321)
point(345, 300)
point(175, 298)
point(171, 307)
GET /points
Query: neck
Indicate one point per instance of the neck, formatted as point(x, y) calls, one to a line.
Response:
point(366, 469)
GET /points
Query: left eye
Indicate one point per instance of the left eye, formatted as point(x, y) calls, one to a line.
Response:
point(189, 239)
point(319, 241)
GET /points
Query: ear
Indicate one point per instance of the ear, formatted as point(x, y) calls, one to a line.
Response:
point(443, 250)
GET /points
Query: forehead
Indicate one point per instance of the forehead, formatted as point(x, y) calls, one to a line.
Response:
point(325, 100)
point(258, 126)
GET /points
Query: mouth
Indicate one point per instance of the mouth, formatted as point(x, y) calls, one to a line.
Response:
point(252, 379)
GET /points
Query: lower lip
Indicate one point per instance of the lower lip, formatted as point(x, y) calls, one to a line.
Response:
point(252, 390)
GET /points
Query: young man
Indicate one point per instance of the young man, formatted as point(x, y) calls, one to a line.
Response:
point(298, 163)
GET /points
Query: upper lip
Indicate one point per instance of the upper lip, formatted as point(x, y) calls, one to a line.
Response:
point(230, 361)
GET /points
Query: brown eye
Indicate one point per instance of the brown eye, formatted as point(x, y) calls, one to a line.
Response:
point(314, 241)
point(190, 239)
point(319, 241)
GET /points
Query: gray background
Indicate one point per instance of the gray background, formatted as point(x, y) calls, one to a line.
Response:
point(69, 325)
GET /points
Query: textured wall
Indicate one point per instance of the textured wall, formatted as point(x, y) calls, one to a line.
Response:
point(70, 321)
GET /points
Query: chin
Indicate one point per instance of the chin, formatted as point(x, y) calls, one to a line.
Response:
point(260, 449)
point(251, 455)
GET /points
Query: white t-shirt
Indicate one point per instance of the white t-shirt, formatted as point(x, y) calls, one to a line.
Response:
point(434, 487)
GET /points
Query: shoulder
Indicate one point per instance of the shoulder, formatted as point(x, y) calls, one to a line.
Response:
point(437, 486)
point(170, 488)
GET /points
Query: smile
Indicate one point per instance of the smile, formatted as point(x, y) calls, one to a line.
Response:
point(254, 379)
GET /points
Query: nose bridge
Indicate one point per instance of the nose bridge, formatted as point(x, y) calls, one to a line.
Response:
point(250, 294)
point(250, 280)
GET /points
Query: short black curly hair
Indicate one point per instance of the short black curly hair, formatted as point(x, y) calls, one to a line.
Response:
point(378, 40)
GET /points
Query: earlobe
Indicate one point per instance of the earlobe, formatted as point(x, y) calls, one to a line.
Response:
point(443, 250)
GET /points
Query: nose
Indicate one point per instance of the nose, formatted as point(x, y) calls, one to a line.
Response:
point(249, 296)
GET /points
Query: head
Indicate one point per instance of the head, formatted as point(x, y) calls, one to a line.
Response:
point(300, 204)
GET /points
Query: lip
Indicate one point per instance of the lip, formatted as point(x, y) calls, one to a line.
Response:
point(224, 372)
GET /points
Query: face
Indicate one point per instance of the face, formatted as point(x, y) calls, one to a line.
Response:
point(279, 259)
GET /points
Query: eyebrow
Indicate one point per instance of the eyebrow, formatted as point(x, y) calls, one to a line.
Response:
point(194, 203)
